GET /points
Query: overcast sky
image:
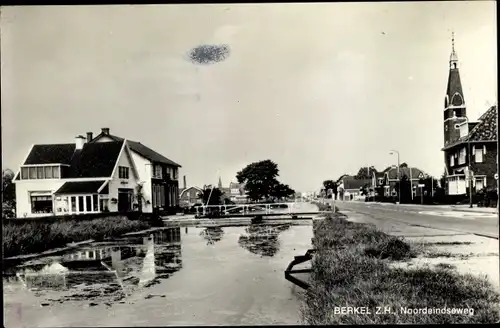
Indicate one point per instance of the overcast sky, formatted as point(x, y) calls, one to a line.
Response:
point(321, 89)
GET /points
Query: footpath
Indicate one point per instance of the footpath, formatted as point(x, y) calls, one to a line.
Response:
point(466, 253)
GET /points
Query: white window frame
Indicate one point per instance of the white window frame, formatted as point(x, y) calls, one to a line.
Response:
point(123, 172)
point(462, 156)
point(452, 160)
point(478, 155)
point(39, 172)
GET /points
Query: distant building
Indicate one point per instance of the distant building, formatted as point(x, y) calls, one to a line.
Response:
point(467, 143)
point(235, 192)
point(349, 188)
point(190, 196)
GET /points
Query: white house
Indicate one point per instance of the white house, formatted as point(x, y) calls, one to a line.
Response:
point(94, 175)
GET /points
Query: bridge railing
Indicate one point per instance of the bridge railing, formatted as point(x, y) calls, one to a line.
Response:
point(265, 208)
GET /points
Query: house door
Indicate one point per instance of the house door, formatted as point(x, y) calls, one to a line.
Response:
point(125, 200)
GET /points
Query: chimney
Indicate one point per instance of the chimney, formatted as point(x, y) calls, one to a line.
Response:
point(105, 131)
point(89, 136)
point(79, 142)
point(184, 178)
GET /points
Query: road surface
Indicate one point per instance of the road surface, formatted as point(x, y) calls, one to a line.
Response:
point(441, 218)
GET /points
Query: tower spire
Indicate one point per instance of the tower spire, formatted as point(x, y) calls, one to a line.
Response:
point(220, 184)
point(453, 56)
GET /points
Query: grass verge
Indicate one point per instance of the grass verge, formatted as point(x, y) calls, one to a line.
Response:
point(351, 269)
point(36, 237)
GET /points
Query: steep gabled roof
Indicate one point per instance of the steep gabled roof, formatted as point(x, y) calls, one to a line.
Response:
point(484, 130)
point(142, 150)
point(189, 188)
point(95, 160)
point(415, 172)
point(50, 154)
point(351, 183)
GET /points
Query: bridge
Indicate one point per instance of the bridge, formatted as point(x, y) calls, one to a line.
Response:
point(264, 209)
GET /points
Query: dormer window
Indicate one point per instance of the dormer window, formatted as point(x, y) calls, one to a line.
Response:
point(40, 172)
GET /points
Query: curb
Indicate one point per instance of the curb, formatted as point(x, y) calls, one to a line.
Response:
point(468, 210)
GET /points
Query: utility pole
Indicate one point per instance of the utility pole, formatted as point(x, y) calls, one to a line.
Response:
point(399, 179)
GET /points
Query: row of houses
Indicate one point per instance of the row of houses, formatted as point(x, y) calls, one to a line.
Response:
point(350, 187)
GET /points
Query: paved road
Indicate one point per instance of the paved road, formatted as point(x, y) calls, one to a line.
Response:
point(426, 216)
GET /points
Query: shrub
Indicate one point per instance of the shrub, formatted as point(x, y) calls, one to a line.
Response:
point(38, 236)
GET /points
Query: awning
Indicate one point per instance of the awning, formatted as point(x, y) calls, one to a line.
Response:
point(84, 187)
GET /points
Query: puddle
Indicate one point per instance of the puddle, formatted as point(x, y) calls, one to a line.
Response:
point(214, 275)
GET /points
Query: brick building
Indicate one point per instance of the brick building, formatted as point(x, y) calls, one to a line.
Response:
point(470, 148)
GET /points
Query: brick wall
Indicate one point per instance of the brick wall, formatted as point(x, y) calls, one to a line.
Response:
point(489, 165)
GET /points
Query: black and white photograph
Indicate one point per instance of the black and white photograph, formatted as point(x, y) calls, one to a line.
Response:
point(250, 164)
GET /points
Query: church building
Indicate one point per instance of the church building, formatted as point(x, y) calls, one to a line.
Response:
point(470, 148)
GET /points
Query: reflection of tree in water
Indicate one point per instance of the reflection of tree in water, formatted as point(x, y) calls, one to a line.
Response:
point(212, 234)
point(262, 240)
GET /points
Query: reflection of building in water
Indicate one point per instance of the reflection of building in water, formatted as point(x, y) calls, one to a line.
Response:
point(143, 260)
point(166, 236)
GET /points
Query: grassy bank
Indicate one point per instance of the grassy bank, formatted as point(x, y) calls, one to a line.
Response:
point(351, 269)
point(38, 236)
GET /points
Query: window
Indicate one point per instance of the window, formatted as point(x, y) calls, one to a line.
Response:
point(176, 174)
point(461, 157)
point(80, 204)
point(48, 172)
point(24, 173)
point(484, 149)
point(123, 172)
point(39, 172)
point(88, 203)
point(479, 183)
point(478, 156)
point(157, 172)
point(73, 204)
point(162, 195)
point(32, 172)
point(104, 204)
point(55, 172)
point(94, 203)
point(452, 160)
point(41, 204)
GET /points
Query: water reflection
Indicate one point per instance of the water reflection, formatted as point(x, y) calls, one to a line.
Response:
point(262, 240)
point(212, 234)
point(106, 270)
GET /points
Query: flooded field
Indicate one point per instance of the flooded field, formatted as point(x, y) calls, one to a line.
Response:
point(175, 276)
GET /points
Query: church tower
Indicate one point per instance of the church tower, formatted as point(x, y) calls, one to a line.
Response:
point(454, 103)
point(219, 185)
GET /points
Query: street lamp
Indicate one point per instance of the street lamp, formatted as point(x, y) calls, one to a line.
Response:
point(399, 180)
point(469, 173)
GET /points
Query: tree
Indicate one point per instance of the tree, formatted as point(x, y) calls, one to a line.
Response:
point(8, 194)
point(405, 189)
point(331, 185)
point(215, 196)
point(364, 174)
point(259, 179)
point(281, 191)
